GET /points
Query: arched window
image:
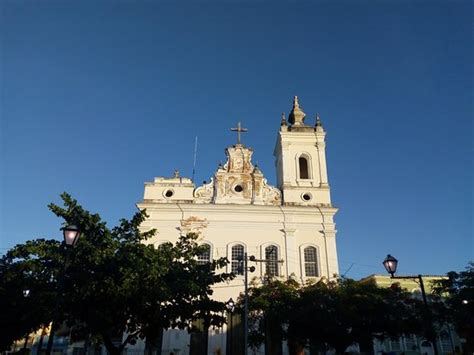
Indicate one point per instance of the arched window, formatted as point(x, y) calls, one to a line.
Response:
point(395, 344)
point(204, 257)
point(310, 262)
point(271, 260)
point(303, 165)
point(410, 343)
point(237, 256)
point(416, 293)
point(445, 342)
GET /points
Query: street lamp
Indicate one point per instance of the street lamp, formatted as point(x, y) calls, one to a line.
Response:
point(71, 235)
point(26, 294)
point(390, 263)
point(230, 305)
point(244, 269)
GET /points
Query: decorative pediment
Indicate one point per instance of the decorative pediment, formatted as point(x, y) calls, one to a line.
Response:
point(238, 181)
point(204, 193)
point(270, 194)
point(239, 159)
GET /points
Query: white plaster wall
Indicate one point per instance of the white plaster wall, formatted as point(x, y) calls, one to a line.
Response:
point(157, 192)
point(255, 227)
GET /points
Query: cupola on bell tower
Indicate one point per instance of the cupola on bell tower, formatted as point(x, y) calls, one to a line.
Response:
point(301, 160)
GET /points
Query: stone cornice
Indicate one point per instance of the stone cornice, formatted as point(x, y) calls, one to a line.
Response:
point(239, 209)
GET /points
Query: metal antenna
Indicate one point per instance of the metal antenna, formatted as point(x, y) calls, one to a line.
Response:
point(195, 156)
point(350, 267)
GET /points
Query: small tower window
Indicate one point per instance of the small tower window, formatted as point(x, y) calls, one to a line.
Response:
point(304, 172)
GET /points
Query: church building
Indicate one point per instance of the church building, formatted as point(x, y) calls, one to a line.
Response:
point(290, 226)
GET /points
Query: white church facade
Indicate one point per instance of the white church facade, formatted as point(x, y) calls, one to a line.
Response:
point(290, 226)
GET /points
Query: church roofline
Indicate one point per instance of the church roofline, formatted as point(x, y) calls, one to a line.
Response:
point(238, 208)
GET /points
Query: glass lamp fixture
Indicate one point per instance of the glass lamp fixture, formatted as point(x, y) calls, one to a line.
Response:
point(230, 305)
point(390, 264)
point(71, 235)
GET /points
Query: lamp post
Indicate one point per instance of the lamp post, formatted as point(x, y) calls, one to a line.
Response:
point(230, 305)
point(244, 269)
point(26, 294)
point(390, 263)
point(71, 236)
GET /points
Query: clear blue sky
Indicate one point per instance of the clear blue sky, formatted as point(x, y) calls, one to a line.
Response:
point(99, 97)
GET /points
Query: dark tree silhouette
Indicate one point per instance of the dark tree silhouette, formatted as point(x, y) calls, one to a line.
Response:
point(115, 283)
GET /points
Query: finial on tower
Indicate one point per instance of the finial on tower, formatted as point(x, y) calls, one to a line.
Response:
point(318, 127)
point(295, 102)
point(318, 121)
point(283, 119)
point(297, 115)
point(256, 169)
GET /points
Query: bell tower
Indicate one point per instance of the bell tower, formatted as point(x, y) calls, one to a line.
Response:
point(301, 160)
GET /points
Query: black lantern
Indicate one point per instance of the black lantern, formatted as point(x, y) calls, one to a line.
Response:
point(390, 264)
point(230, 305)
point(71, 235)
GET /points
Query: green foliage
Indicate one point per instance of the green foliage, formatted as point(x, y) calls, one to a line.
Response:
point(270, 307)
point(458, 292)
point(334, 314)
point(112, 282)
point(22, 269)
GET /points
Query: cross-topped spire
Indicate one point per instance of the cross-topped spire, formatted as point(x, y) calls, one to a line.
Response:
point(239, 130)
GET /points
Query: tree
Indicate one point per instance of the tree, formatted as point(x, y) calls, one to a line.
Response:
point(334, 314)
point(21, 313)
point(458, 293)
point(113, 283)
point(270, 307)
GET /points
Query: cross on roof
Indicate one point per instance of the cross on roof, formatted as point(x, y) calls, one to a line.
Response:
point(239, 130)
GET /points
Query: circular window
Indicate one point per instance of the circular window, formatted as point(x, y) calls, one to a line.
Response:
point(169, 193)
point(306, 196)
point(238, 188)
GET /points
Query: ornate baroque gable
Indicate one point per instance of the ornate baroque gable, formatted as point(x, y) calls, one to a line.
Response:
point(238, 182)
